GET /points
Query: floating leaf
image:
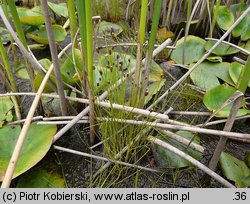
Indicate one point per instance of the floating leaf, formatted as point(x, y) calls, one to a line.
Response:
point(23, 74)
point(5, 110)
point(242, 30)
point(194, 50)
point(153, 89)
point(235, 170)
point(69, 68)
point(235, 71)
point(225, 18)
point(36, 145)
point(30, 17)
point(167, 158)
point(207, 74)
point(40, 178)
point(108, 28)
point(215, 97)
point(59, 9)
point(41, 36)
point(246, 45)
point(222, 49)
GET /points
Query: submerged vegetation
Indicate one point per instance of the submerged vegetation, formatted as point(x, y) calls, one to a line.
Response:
point(148, 97)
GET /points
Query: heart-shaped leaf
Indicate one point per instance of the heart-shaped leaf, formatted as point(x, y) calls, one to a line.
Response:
point(207, 74)
point(40, 178)
point(194, 50)
point(235, 71)
point(235, 170)
point(216, 96)
point(225, 18)
point(36, 145)
point(5, 110)
point(41, 35)
point(107, 28)
point(59, 9)
point(30, 17)
point(167, 158)
point(222, 49)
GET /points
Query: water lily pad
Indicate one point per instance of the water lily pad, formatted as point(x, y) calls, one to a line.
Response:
point(225, 18)
point(235, 170)
point(242, 30)
point(59, 9)
point(40, 178)
point(41, 36)
point(222, 49)
point(166, 158)
point(194, 50)
point(246, 45)
point(153, 89)
point(30, 17)
point(207, 74)
point(108, 28)
point(68, 68)
point(5, 110)
point(36, 145)
point(216, 96)
point(235, 71)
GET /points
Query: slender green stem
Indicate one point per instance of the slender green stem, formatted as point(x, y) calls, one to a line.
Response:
point(72, 20)
point(7, 67)
point(141, 39)
point(17, 22)
point(189, 9)
point(152, 38)
point(243, 81)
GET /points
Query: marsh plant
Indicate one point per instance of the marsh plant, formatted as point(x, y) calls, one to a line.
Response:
point(145, 111)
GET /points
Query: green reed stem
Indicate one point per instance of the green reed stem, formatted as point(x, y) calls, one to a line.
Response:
point(17, 22)
point(141, 39)
point(244, 77)
point(72, 20)
point(152, 38)
point(189, 9)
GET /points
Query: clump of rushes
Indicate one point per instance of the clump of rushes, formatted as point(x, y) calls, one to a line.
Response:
point(141, 39)
point(86, 32)
point(145, 77)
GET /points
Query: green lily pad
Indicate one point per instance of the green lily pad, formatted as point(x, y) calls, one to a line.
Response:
point(207, 74)
point(225, 18)
point(41, 36)
point(235, 170)
point(153, 89)
point(68, 68)
point(216, 96)
point(22, 73)
point(109, 29)
point(30, 17)
point(167, 158)
point(59, 9)
point(40, 178)
point(194, 50)
point(242, 30)
point(235, 71)
point(237, 9)
point(36, 145)
point(222, 49)
point(5, 110)
point(246, 45)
